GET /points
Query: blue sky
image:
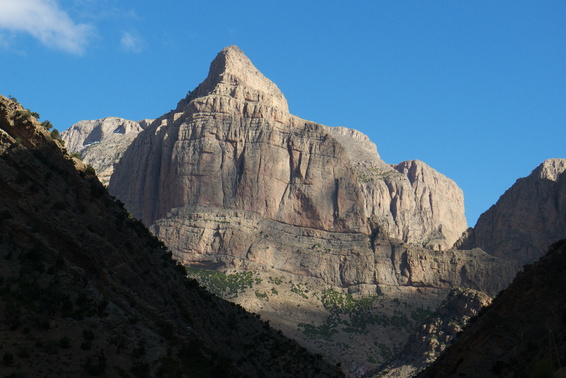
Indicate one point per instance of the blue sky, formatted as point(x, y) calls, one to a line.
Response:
point(476, 89)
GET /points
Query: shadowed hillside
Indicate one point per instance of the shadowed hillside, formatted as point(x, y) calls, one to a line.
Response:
point(522, 333)
point(85, 289)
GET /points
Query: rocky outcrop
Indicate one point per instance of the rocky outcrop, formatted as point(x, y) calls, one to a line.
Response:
point(246, 241)
point(413, 203)
point(231, 180)
point(437, 332)
point(101, 143)
point(87, 291)
point(409, 201)
point(529, 217)
point(522, 333)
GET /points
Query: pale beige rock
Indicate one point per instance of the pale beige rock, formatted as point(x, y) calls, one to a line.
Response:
point(413, 203)
point(237, 147)
point(232, 75)
point(550, 169)
point(101, 143)
point(410, 201)
point(214, 135)
point(246, 241)
point(230, 166)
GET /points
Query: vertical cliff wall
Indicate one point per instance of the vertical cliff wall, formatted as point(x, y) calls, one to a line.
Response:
point(232, 144)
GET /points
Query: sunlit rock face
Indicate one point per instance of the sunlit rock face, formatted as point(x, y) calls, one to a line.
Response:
point(232, 144)
point(102, 142)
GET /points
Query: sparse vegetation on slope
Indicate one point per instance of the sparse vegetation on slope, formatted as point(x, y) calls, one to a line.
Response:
point(222, 284)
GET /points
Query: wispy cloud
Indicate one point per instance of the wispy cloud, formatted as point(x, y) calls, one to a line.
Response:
point(46, 21)
point(132, 41)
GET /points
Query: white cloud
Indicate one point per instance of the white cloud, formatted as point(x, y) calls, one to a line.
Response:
point(44, 20)
point(131, 41)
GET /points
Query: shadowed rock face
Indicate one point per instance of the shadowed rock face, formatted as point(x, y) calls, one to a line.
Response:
point(409, 201)
point(529, 217)
point(522, 333)
point(437, 332)
point(414, 203)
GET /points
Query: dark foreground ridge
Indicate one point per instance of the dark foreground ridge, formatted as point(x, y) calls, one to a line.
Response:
point(521, 334)
point(85, 289)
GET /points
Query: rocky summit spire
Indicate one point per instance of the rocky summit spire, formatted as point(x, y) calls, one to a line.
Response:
point(232, 74)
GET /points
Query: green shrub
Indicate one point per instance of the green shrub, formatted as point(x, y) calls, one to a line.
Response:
point(262, 296)
point(299, 290)
point(89, 170)
point(222, 284)
point(47, 124)
point(57, 136)
point(420, 315)
point(24, 114)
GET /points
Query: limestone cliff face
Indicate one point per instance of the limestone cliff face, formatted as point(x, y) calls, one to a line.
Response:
point(231, 180)
point(529, 217)
point(414, 203)
point(102, 142)
point(245, 241)
point(233, 145)
point(409, 201)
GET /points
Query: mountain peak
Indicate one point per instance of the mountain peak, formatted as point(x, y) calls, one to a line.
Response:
point(550, 169)
point(233, 74)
